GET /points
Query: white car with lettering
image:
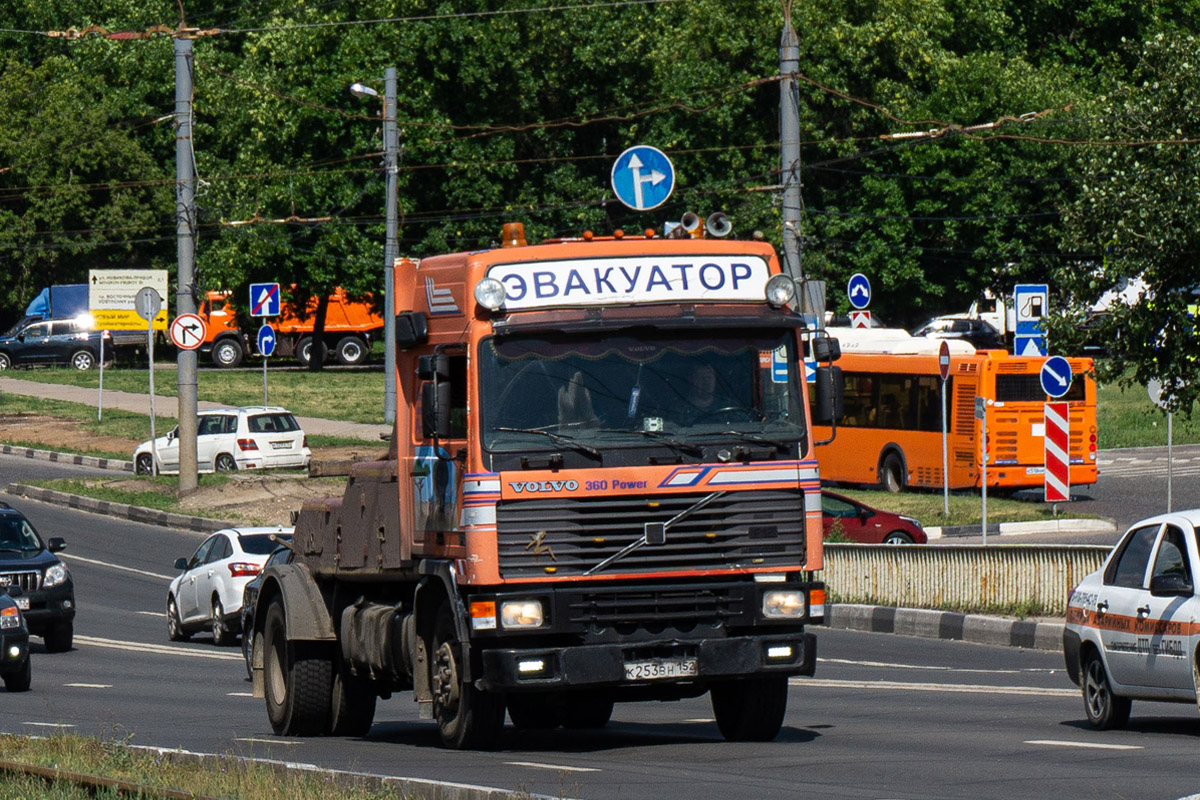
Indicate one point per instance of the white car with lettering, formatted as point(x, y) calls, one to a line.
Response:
point(1132, 629)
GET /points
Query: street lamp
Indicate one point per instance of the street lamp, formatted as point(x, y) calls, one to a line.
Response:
point(391, 150)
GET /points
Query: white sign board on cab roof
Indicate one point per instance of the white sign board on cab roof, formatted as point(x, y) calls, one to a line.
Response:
point(578, 282)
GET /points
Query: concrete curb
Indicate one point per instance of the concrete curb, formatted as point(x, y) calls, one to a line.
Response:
point(951, 625)
point(147, 516)
point(67, 458)
point(1018, 528)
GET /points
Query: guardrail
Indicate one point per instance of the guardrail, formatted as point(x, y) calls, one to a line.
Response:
point(966, 578)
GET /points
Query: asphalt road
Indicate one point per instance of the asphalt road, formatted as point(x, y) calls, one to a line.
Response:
point(886, 716)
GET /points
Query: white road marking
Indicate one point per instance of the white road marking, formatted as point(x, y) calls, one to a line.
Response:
point(89, 685)
point(48, 724)
point(151, 613)
point(156, 649)
point(700, 720)
point(557, 767)
point(263, 741)
point(240, 694)
point(959, 688)
point(887, 665)
point(121, 567)
point(1088, 745)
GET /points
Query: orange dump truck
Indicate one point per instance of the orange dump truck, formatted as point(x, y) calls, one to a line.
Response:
point(601, 488)
point(350, 328)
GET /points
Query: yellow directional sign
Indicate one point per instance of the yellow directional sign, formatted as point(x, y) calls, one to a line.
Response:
point(112, 296)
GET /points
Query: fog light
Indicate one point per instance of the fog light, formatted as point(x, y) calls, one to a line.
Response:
point(783, 604)
point(489, 293)
point(67, 603)
point(519, 614)
point(14, 651)
point(531, 666)
point(779, 651)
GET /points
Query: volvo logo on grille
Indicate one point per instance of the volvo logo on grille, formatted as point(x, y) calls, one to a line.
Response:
point(543, 486)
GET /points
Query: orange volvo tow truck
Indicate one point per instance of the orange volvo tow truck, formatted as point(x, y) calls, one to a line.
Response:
point(601, 488)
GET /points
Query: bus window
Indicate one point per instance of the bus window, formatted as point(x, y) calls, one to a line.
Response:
point(928, 404)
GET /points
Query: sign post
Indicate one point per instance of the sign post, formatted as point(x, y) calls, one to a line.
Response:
point(1030, 302)
point(147, 303)
point(643, 177)
point(1056, 382)
point(1160, 394)
point(981, 415)
point(266, 346)
point(944, 372)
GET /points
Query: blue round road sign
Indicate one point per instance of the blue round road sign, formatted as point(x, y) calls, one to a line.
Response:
point(266, 340)
point(858, 289)
point(1056, 376)
point(643, 177)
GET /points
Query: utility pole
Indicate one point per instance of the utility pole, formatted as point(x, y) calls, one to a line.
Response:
point(789, 140)
point(391, 155)
point(185, 232)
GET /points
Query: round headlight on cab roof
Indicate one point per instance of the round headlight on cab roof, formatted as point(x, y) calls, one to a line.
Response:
point(780, 290)
point(489, 293)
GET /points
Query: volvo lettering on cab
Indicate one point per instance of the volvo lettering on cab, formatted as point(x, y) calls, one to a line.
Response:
point(601, 488)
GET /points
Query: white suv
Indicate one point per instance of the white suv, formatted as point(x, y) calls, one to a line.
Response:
point(227, 439)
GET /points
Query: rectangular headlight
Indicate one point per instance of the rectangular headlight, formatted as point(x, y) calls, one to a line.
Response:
point(784, 604)
point(521, 614)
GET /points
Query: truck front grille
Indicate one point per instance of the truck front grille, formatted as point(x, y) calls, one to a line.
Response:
point(674, 608)
point(570, 535)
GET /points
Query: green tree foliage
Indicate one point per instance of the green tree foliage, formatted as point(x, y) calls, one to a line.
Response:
point(1136, 217)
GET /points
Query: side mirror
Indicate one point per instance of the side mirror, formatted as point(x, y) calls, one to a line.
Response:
point(830, 389)
point(826, 349)
point(435, 366)
point(411, 329)
point(57, 544)
point(435, 409)
point(181, 563)
point(171, 434)
point(1172, 584)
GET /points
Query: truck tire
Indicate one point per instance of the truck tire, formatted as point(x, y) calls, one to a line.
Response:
point(467, 718)
point(750, 710)
point(83, 360)
point(352, 710)
point(588, 711)
point(298, 679)
point(537, 711)
point(19, 681)
point(304, 351)
point(891, 473)
point(351, 350)
point(228, 353)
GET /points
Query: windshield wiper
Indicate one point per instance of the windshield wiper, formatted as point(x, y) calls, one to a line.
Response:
point(557, 438)
point(749, 437)
point(665, 437)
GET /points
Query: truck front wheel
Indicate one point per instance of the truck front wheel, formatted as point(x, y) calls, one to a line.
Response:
point(228, 353)
point(750, 710)
point(351, 350)
point(298, 678)
point(467, 718)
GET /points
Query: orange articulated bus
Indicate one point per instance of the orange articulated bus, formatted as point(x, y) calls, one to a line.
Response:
point(891, 431)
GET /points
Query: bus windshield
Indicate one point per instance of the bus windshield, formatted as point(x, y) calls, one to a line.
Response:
point(624, 391)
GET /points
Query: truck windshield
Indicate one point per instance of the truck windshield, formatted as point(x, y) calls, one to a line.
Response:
point(611, 393)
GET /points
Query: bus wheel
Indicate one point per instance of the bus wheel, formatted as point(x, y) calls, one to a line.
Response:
point(891, 473)
point(467, 718)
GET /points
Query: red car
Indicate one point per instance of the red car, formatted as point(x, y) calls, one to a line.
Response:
point(861, 523)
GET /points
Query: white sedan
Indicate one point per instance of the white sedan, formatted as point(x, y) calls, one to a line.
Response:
point(207, 594)
point(1131, 630)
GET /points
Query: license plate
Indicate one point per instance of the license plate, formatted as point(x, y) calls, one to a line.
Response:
point(1035, 470)
point(282, 445)
point(22, 603)
point(661, 668)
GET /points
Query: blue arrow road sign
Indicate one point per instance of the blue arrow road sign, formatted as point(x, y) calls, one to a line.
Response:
point(266, 340)
point(1056, 376)
point(858, 289)
point(264, 299)
point(643, 177)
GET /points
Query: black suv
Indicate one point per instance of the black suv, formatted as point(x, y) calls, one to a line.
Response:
point(14, 645)
point(47, 593)
point(54, 341)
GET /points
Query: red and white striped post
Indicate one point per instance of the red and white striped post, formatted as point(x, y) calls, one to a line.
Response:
point(1058, 456)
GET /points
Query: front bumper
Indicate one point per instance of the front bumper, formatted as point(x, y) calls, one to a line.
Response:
point(14, 650)
point(49, 607)
point(603, 665)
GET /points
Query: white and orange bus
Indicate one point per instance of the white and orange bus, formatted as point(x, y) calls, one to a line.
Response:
point(891, 432)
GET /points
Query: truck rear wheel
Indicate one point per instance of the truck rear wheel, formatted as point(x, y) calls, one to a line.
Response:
point(467, 718)
point(351, 350)
point(298, 678)
point(751, 710)
point(228, 353)
point(353, 708)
